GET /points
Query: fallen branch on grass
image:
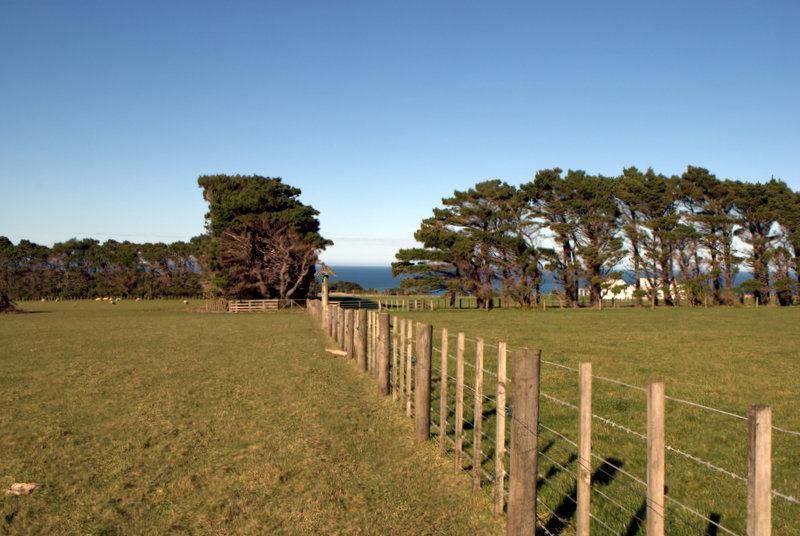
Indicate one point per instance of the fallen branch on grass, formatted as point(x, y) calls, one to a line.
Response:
point(22, 488)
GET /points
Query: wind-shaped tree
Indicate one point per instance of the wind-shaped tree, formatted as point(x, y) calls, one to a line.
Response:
point(264, 241)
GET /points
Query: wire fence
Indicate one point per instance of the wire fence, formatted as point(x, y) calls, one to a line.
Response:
point(472, 418)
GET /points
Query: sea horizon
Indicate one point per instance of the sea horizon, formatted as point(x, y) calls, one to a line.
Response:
point(379, 276)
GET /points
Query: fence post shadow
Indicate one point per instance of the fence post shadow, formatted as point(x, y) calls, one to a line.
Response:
point(636, 523)
point(712, 529)
point(603, 476)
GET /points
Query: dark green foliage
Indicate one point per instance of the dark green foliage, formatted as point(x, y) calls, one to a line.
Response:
point(86, 268)
point(712, 210)
point(678, 234)
point(549, 197)
point(787, 208)
point(758, 207)
point(461, 244)
point(348, 287)
point(263, 241)
point(237, 200)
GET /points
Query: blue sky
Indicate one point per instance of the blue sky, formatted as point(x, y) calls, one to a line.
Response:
point(109, 112)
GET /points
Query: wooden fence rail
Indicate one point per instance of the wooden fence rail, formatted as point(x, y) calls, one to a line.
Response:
point(260, 306)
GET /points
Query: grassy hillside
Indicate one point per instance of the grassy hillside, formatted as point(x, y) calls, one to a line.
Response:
point(148, 418)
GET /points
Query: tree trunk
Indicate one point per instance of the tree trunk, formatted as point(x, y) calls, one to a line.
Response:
point(6, 304)
point(666, 291)
point(761, 273)
point(715, 269)
point(637, 271)
point(796, 262)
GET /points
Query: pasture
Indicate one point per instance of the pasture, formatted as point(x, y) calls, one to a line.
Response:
point(726, 358)
point(147, 417)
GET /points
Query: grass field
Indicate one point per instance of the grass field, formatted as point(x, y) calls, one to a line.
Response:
point(723, 357)
point(148, 418)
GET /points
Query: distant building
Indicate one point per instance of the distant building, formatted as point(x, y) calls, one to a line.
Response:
point(617, 289)
point(676, 290)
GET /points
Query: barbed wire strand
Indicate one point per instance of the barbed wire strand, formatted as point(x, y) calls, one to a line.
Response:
point(609, 422)
point(639, 388)
point(684, 506)
point(696, 459)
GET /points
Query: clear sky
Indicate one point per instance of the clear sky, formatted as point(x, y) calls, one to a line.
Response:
point(109, 112)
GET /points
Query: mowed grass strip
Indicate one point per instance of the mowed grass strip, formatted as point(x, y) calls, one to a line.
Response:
point(145, 417)
point(723, 357)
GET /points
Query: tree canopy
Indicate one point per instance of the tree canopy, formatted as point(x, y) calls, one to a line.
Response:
point(261, 242)
point(264, 242)
point(85, 268)
point(684, 237)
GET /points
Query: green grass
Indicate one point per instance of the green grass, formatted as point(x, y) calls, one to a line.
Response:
point(723, 357)
point(149, 418)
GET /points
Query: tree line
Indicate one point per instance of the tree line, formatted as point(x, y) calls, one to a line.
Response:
point(260, 242)
point(682, 237)
point(85, 268)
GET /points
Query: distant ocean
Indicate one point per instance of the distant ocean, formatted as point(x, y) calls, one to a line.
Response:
point(380, 277)
point(377, 277)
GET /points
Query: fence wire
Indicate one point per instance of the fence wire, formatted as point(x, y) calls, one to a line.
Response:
point(467, 439)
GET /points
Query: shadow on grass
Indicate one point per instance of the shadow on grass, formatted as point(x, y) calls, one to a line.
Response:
point(714, 519)
point(637, 523)
point(603, 476)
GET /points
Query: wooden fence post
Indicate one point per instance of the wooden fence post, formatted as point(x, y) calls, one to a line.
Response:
point(335, 325)
point(524, 442)
point(383, 353)
point(422, 382)
point(500, 432)
point(409, 365)
point(341, 328)
point(361, 340)
point(348, 332)
point(374, 345)
point(477, 418)
point(401, 369)
point(375, 335)
point(759, 471)
point(459, 424)
point(443, 395)
point(369, 340)
point(655, 459)
point(584, 480)
point(394, 358)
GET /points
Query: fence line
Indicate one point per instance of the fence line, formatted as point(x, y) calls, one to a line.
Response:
point(642, 389)
point(774, 492)
point(413, 347)
point(639, 435)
